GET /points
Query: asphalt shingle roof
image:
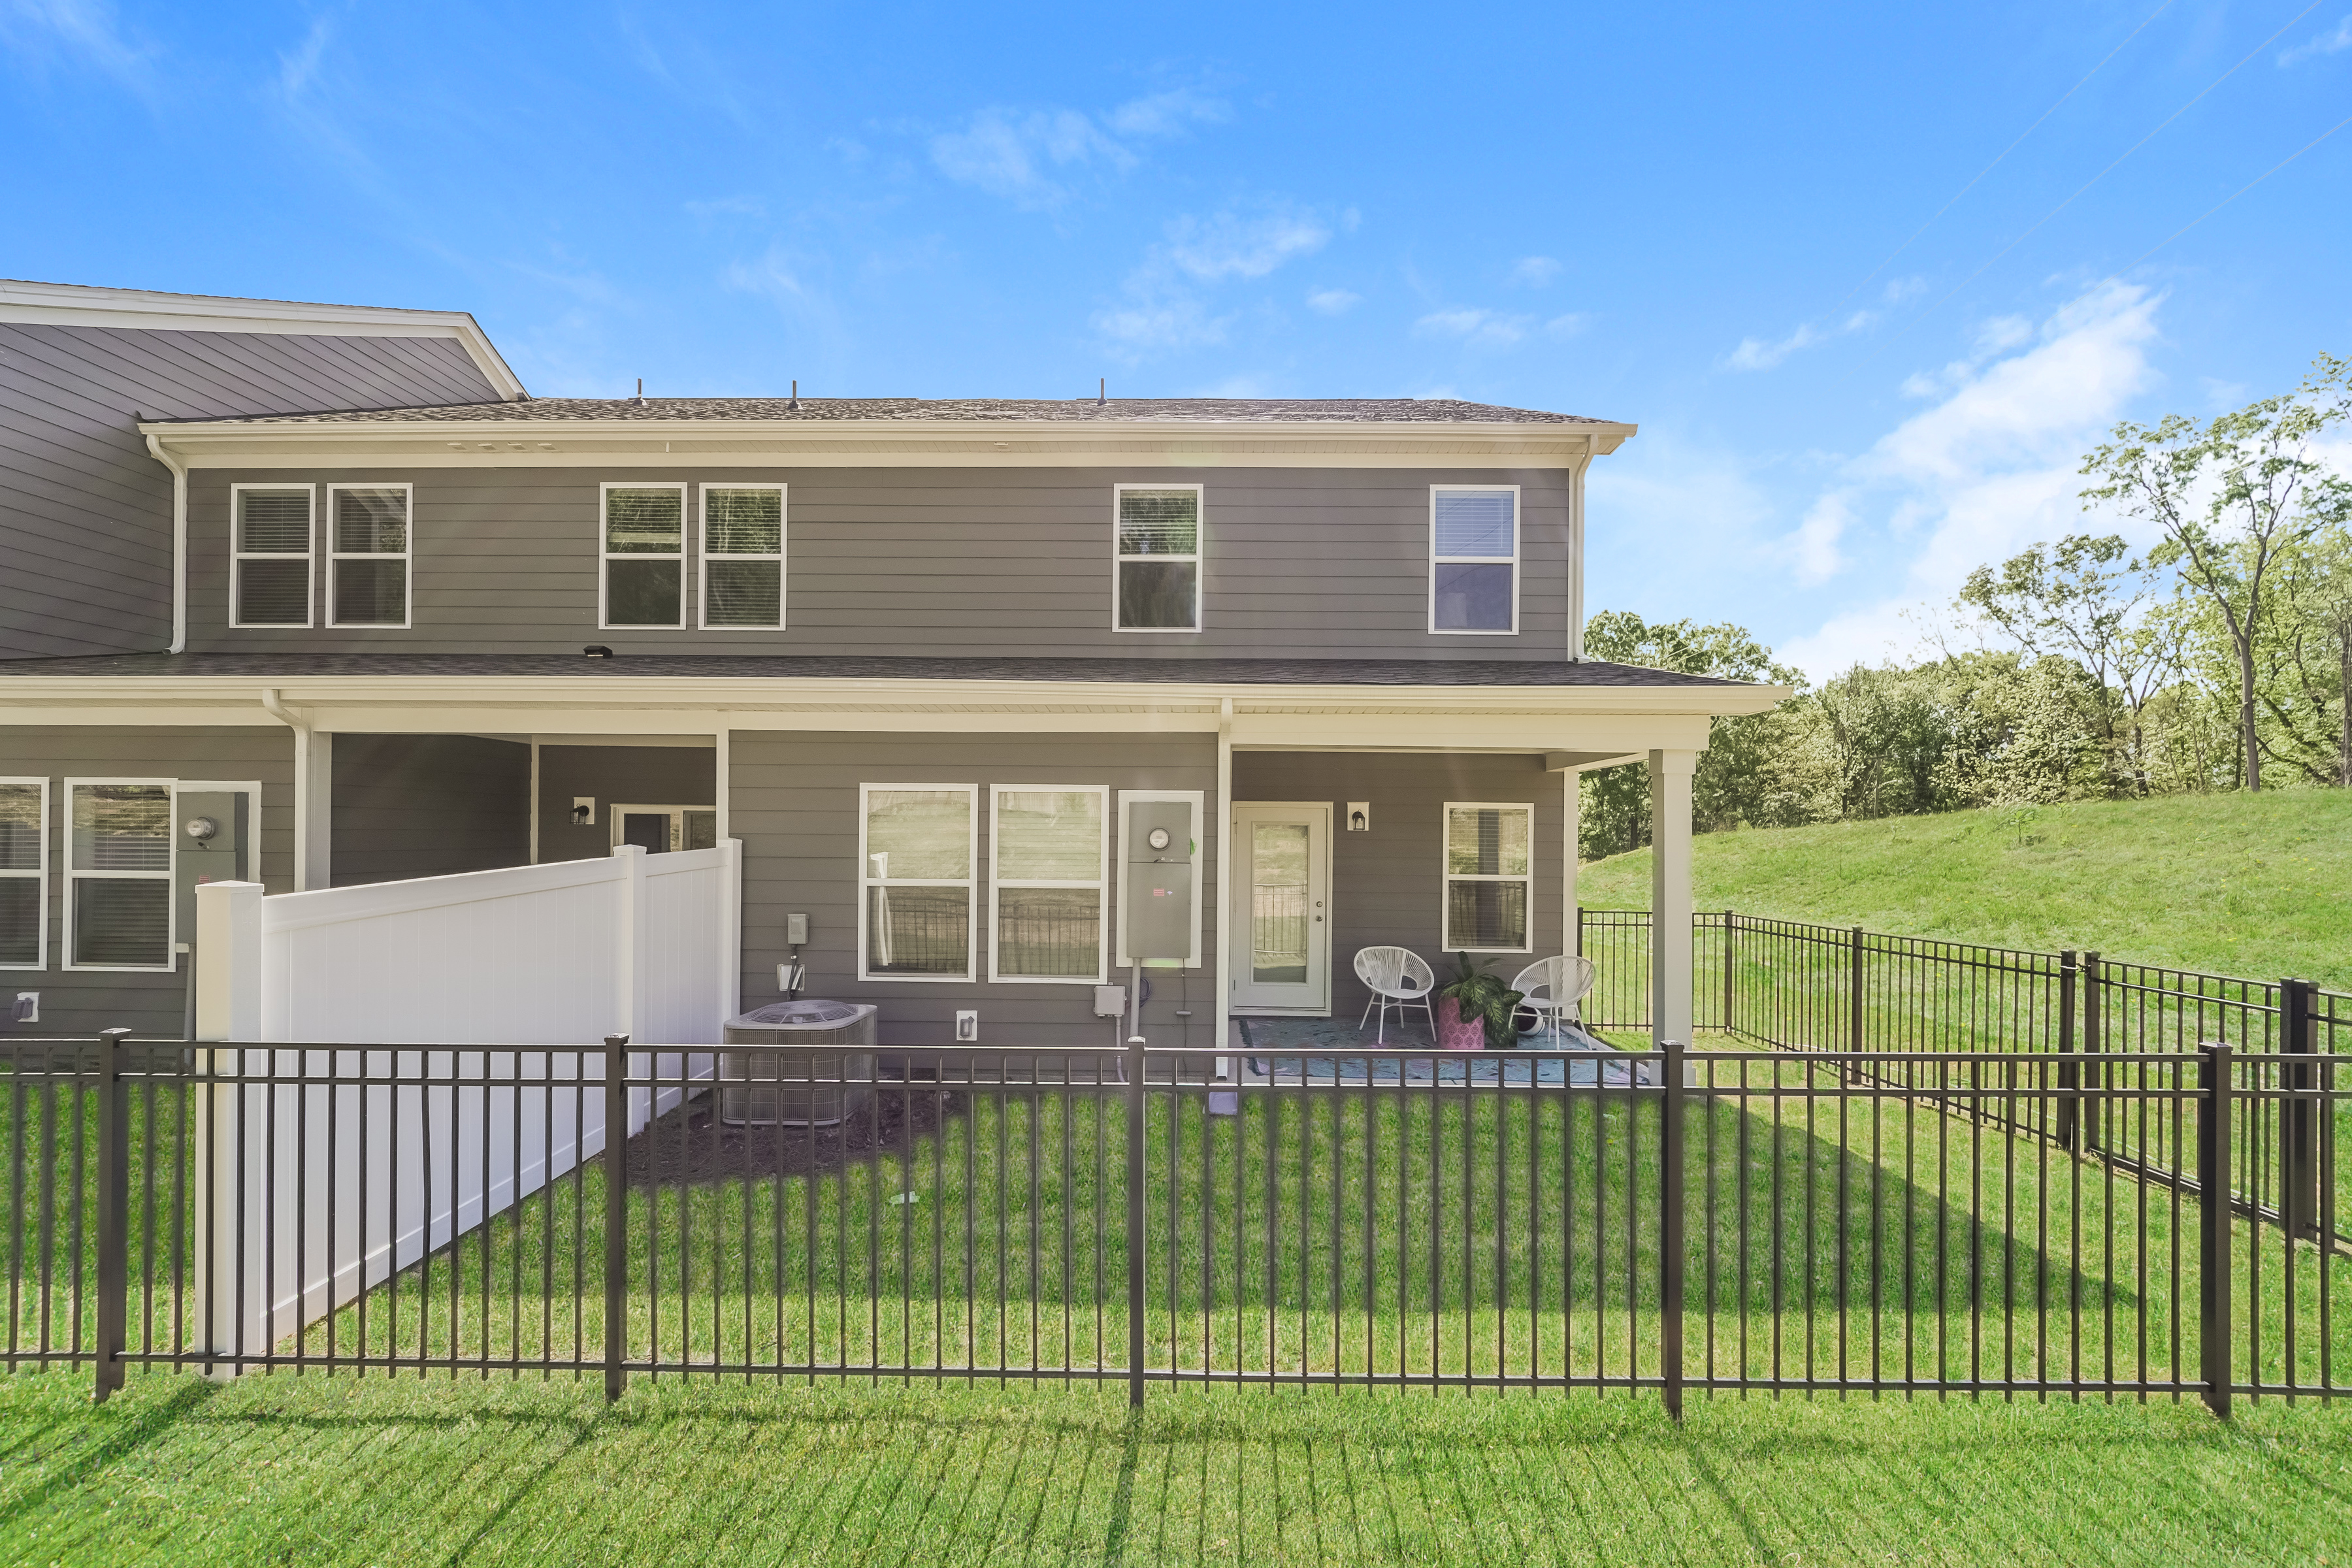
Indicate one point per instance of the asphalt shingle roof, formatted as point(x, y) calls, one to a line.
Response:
point(971, 410)
point(817, 667)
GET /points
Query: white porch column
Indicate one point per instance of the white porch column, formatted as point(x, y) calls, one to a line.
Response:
point(1570, 806)
point(1670, 895)
point(316, 791)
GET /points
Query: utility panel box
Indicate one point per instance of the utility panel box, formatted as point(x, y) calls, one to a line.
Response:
point(1162, 848)
point(211, 828)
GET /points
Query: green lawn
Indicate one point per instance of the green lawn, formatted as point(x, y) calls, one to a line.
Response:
point(286, 1471)
point(2232, 884)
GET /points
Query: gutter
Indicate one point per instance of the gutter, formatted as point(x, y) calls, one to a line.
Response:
point(179, 543)
point(301, 728)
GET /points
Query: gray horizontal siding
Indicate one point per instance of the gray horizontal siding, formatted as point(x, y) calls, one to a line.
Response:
point(630, 775)
point(152, 1004)
point(956, 562)
point(793, 803)
point(428, 805)
point(1387, 884)
point(85, 512)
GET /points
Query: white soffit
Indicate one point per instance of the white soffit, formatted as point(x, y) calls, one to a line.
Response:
point(77, 305)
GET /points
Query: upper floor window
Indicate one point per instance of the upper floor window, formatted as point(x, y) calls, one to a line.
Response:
point(743, 557)
point(1158, 558)
point(367, 555)
point(24, 873)
point(1473, 558)
point(269, 570)
point(645, 556)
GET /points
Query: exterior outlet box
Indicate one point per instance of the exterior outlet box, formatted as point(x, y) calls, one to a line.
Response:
point(796, 930)
point(28, 1007)
point(1158, 884)
point(967, 1025)
point(1111, 1001)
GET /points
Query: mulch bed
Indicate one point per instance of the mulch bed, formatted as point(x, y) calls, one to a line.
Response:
point(691, 1146)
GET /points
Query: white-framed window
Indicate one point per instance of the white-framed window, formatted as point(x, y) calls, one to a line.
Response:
point(1048, 858)
point(743, 557)
point(1474, 560)
point(1156, 574)
point(659, 829)
point(916, 849)
point(1489, 876)
point(367, 554)
point(642, 531)
point(24, 873)
point(119, 847)
point(269, 567)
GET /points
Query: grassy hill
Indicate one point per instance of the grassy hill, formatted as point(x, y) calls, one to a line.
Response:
point(2251, 884)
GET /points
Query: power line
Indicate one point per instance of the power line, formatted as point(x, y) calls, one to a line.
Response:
point(2240, 191)
point(2127, 152)
point(2004, 152)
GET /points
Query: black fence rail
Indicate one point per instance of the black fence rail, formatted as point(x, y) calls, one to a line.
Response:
point(1880, 1221)
point(1799, 987)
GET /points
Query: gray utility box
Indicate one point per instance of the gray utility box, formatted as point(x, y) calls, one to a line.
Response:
point(1160, 849)
point(211, 828)
point(822, 1070)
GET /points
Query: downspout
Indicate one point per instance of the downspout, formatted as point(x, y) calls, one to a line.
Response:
point(301, 728)
point(179, 543)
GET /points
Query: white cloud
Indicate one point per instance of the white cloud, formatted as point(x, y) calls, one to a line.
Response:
point(1163, 306)
point(2326, 44)
point(1568, 325)
point(297, 68)
point(1478, 328)
point(1755, 353)
point(1987, 470)
point(1230, 246)
point(1332, 301)
point(1168, 113)
point(1021, 155)
point(1535, 271)
point(84, 32)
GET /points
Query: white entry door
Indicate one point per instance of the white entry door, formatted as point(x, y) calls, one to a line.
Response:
point(1281, 907)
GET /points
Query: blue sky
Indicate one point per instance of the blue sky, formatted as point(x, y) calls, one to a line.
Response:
point(1865, 327)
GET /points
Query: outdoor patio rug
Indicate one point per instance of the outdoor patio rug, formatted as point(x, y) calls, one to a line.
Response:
point(1268, 1037)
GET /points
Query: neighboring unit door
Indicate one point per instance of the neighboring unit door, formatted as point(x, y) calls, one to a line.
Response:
point(1282, 898)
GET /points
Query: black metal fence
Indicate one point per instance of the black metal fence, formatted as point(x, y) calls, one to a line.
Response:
point(1794, 986)
point(1674, 1220)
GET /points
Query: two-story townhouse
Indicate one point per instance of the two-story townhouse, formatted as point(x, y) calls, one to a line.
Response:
point(915, 655)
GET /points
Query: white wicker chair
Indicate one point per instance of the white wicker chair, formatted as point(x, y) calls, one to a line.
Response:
point(1552, 987)
point(1397, 978)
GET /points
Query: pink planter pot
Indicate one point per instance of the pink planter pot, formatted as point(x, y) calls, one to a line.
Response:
point(1453, 1033)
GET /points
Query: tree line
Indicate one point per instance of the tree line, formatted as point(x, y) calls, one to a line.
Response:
point(2220, 657)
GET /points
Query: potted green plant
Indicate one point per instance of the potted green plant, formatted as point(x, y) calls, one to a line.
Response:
point(1476, 1001)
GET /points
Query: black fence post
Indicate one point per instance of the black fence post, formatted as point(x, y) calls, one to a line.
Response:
point(2298, 1148)
point(1853, 1025)
point(2087, 1131)
point(2213, 1215)
point(1135, 1241)
point(1730, 948)
point(113, 1212)
point(616, 1215)
point(1670, 1223)
point(2070, 1076)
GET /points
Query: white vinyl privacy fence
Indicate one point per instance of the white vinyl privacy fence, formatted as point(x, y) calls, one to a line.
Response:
point(490, 963)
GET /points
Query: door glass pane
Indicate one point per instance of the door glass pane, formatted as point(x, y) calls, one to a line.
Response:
point(1045, 933)
point(649, 831)
point(1279, 902)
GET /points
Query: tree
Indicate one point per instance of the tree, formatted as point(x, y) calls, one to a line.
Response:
point(1734, 782)
point(2084, 598)
point(2228, 496)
